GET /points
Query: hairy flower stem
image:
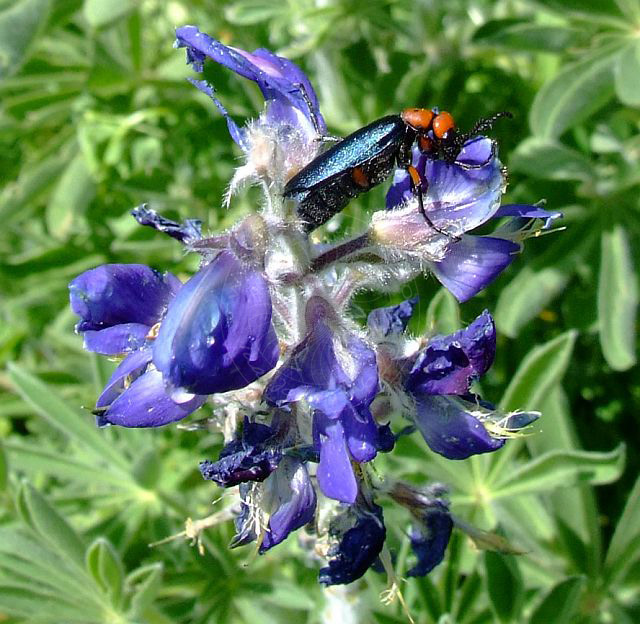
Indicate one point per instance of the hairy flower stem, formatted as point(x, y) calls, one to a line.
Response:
point(339, 251)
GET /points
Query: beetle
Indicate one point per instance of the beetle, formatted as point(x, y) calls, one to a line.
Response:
point(367, 157)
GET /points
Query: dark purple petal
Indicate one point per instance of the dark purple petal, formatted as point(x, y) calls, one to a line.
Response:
point(189, 230)
point(250, 458)
point(449, 364)
point(335, 473)
point(473, 263)
point(357, 548)
point(217, 334)
point(392, 319)
point(450, 429)
point(527, 211)
point(277, 77)
point(290, 493)
point(128, 370)
point(122, 338)
point(430, 539)
point(314, 373)
point(361, 433)
point(145, 404)
point(115, 294)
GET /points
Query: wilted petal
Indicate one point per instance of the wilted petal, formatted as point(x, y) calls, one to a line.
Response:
point(217, 334)
point(335, 473)
point(244, 521)
point(289, 492)
point(189, 230)
point(115, 294)
point(145, 404)
point(450, 363)
point(429, 540)
point(250, 458)
point(392, 319)
point(528, 211)
point(449, 427)
point(358, 546)
point(473, 263)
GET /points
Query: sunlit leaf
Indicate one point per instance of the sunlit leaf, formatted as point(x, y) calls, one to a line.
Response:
point(617, 300)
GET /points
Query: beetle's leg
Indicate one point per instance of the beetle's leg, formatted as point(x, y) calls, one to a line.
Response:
point(314, 118)
point(416, 187)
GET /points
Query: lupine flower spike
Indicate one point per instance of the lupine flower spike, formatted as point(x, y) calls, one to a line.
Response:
point(308, 399)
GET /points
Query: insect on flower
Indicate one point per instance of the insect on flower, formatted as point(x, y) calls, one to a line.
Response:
point(367, 157)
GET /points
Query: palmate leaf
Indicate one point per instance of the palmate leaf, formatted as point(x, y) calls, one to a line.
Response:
point(47, 576)
point(561, 469)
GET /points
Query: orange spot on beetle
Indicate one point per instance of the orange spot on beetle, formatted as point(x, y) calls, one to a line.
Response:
point(360, 177)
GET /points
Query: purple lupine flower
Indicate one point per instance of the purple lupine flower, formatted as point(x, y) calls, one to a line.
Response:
point(337, 376)
point(217, 334)
point(290, 500)
point(358, 535)
point(118, 305)
point(432, 526)
point(458, 199)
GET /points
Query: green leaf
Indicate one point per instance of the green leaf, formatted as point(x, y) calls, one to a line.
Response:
point(526, 295)
point(4, 469)
point(20, 25)
point(443, 313)
point(145, 583)
point(248, 12)
point(574, 93)
point(592, 8)
point(627, 70)
point(67, 420)
point(548, 159)
point(617, 300)
point(504, 585)
point(99, 13)
point(561, 469)
point(105, 566)
point(524, 36)
point(71, 197)
point(542, 368)
point(560, 603)
point(624, 549)
point(51, 527)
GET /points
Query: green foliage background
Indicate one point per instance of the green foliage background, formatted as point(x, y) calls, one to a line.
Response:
point(96, 117)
